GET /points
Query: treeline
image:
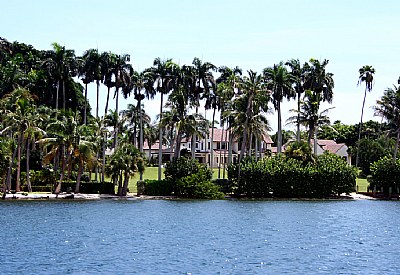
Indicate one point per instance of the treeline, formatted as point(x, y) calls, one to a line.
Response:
point(46, 122)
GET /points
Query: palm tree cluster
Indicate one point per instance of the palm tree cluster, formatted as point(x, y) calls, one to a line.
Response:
point(71, 139)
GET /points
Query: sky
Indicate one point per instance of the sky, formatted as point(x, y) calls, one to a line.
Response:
point(252, 34)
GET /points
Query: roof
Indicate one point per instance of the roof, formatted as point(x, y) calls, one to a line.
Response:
point(330, 145)
point(153, 146)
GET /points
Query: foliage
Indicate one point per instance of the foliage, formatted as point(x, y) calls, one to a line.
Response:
point(191, 179)
point(300, 151)
point(288, 177)
point(156, 187)
point(385, 173)
point(371, 150)
point(183, 167)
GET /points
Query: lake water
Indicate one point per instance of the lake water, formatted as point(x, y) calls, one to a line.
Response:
point(199, 237)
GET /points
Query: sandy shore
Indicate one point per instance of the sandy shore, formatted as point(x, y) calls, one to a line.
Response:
point(130, 196)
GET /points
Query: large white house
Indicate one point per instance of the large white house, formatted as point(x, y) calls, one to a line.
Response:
point(220, 145)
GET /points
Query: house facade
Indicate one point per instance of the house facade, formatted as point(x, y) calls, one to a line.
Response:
point(219, 144)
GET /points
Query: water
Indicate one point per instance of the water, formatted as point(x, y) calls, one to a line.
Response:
point(199, 237)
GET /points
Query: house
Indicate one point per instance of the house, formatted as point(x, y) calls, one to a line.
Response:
point(220, 147)
point(323, 145)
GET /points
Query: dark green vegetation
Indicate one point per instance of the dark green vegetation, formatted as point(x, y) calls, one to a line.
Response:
point(289, 177)
point(48, 135)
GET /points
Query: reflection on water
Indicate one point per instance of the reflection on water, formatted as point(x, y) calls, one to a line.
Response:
point(199, 237)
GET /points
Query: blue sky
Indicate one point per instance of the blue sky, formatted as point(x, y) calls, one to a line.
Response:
point(249, 34)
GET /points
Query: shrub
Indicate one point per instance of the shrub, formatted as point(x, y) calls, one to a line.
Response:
point(385, 173)
point(183, 167)
point(289, 177)
point(157, 187)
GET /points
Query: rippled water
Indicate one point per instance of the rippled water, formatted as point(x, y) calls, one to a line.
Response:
point(199, 237)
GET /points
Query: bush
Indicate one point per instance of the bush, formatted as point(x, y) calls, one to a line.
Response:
point(156, 187)
point(385, 173)
point(183, 167)
point(288, 177)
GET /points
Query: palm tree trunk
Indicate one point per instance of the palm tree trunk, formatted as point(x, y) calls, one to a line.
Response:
point(97, 98)
point(57, 188)
point(140, 134)
point(85, 109)
point(63, 95)
point(246, 128)
point(177, 145)
point(78, 177)
point(279, 143)
point(104, 158)
point(18, 179)
point(396, 147)
point(194, 137)
point(125, 186)
point(28, 178)
point(298, 116)
point(119, 178)
point(230, 148)
point(107, 100)
point(212, 141)
point(315, 140)
point(171, 144)
point(256, 147)
point(117, 122)
point(160, 139)
point(9, 173)
point(225, 149)
point(58, 91)
point(359, 129)
point(251, 145)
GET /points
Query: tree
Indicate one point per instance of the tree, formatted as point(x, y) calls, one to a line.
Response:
point(388, 107)
point(164, 72)
point(251, 86)
point(124, 162)
point(298, 73)
point(203, 82)
point(61, 64)
point(366, 75)
point(279, 81)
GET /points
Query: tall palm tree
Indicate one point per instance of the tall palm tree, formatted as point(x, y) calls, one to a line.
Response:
point(310, 117)
point(298, 72)
point(367, 76)
point(251, 86)
point(388, 107)
point(164, 73)
point(61, 63)
point(107, 60)
point(279, 81)
point(91, 71)
point(203, 82)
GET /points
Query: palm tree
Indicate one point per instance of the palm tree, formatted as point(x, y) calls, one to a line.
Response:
point(203, 80)
point(310, 117)
point(298, 73)
point(107, 63)
point(388, 107)
point(164, 73)
point(251, 86)
point(125, 161)
point(90, 70)
point(84, 153)
point(61, 63)
point(366, 75)
point(279, 81)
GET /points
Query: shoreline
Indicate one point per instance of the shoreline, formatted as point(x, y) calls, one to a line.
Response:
point(134, 196)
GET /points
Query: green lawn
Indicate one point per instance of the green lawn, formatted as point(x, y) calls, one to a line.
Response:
point(151, 173)
point(362, 184)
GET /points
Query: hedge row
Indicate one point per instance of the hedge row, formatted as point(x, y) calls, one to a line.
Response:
point(288, 177)
point(385, 173)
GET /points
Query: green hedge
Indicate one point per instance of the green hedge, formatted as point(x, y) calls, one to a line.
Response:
point(156, 187)
point(89, 187)
point(287, 177)
point(385, 173)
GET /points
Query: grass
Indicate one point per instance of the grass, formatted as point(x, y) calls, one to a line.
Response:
point(362, 184)
point(151, 173)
